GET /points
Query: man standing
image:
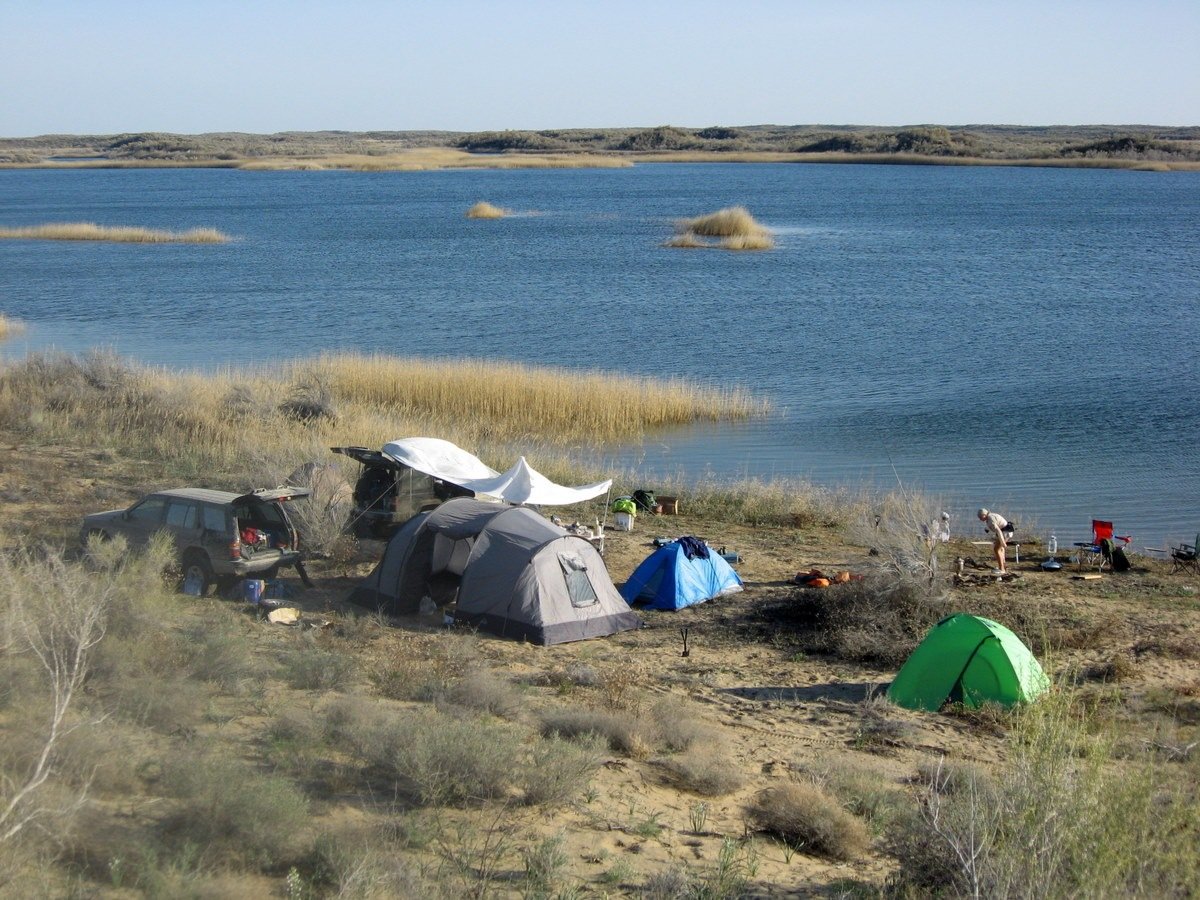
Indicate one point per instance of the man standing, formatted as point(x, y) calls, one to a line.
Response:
point(996, 524)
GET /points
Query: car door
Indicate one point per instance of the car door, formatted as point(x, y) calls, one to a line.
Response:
point(183, 523)
point(217, 534)
point(143, 519)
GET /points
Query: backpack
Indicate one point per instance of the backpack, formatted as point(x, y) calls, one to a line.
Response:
point(645, 500)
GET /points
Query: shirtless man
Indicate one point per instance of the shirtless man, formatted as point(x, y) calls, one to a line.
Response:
point(996, 523)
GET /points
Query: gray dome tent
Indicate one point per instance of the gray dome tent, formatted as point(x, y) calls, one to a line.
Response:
point(515, 574)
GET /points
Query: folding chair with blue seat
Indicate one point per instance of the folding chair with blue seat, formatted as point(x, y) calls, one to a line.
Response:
point(1098, 552)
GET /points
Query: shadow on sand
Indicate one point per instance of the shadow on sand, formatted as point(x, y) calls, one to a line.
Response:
point(839, 691)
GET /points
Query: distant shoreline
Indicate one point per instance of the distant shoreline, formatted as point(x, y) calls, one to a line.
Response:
point(536, 161)
point(1132, 147)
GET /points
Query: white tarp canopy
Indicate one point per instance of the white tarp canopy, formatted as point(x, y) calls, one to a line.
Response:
point(524, 484)
point(438, 458)
point(520, 484)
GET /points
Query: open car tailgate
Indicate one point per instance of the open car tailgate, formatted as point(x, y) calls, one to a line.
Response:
point(366, 457)
point(281, 494)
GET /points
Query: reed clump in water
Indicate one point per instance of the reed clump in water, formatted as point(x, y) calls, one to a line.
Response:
point(485, 210)
point(90, 231)
point(732, 228)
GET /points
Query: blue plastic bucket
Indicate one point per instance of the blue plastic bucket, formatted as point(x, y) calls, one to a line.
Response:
point(252, 590)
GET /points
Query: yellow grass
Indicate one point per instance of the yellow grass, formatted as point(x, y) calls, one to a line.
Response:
point(211, 423)
point(10, 326)
point(485, 210)
point(89, 231)
point(733, 227)
point(428, 158)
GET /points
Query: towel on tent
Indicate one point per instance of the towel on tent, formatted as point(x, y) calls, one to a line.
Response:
point(694, 548)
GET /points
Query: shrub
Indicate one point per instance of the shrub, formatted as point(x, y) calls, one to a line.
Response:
point(706, 769)
point(879, 619)
point(437, 759)
point(1059, 794)
point(424, 669)
point(232, 811)
point(862, 790)
point(485, 691)
point(307, 666)
point(219, 652)
point(677, 724)
point(559, 770)
point(809, 820)
point(321, 517)
point(623, 732)
point(54, 613)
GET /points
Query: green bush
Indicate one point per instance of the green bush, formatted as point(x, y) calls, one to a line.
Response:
point(435, 759)
point(1057, 820)
point(307, 666)
point(233, 811)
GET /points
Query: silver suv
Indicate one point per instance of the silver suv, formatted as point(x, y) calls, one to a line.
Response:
point(219, 536)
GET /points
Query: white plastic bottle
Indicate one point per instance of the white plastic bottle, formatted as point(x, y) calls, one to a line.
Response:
point(1053, 545)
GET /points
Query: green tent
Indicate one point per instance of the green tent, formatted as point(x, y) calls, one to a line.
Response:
point(969, 660)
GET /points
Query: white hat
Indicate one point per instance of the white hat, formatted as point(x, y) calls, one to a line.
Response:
point(982, 513)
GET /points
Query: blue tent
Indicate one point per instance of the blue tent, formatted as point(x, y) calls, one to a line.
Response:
point(668, 579)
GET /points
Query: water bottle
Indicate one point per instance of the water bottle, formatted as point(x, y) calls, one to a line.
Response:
point(1053, 545)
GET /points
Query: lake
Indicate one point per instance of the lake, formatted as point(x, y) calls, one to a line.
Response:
point(1023, 339)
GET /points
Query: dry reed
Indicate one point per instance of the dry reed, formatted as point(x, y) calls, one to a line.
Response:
point(216, 422)
point(733, 228)
point(10, 327)
point(89, 231)
point(485, 210)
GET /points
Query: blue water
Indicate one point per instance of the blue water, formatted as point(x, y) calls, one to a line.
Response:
point(1023, 339)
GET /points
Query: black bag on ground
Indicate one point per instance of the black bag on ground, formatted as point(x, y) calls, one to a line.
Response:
point(645, 500)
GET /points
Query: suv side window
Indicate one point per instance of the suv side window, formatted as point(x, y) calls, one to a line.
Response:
point(214, 519)
point(149, 510)
point(181, 515)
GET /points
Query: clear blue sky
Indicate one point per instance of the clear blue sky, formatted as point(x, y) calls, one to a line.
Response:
point(107, 66)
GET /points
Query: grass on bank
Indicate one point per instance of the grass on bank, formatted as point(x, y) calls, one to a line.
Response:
point(732, 228)
point(256, 426)
point(89, 231)
point(10, 327)
point(485, 210)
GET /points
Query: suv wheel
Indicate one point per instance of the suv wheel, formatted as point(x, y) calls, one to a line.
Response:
point(197, 575)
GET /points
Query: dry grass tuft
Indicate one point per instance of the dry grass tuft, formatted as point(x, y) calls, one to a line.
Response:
point(89, 231)
point(810, 820)
point(733, 221)
point(485, 210)
point(733, 228)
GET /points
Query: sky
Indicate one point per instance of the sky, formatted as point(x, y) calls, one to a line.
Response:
point(112, 66)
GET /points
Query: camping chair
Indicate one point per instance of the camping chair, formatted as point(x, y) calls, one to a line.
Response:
point(1186, 558)
point(1097, 552)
